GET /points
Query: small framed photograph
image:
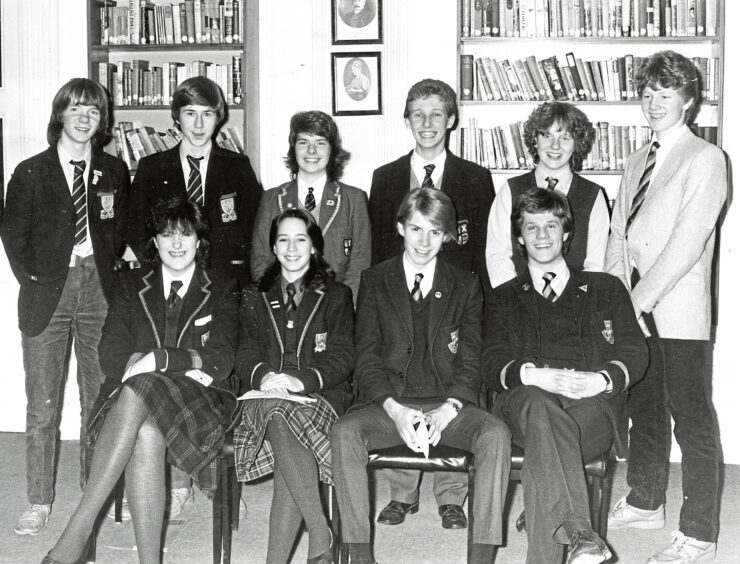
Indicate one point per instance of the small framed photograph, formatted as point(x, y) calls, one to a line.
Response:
point(356, 21)
point(356, 84)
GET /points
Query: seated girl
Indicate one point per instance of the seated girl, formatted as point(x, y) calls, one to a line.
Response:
point(167, 351)
point(296, 343)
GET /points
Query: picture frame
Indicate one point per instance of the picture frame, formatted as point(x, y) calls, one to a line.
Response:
point(356, 83)
point(356, 21)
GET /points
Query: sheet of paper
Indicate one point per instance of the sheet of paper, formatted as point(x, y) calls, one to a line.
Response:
point(422, 439)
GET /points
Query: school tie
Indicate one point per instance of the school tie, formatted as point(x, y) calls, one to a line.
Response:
point(291, 305)
point(547, 292)
point(79, 199)
point(174, 297)
point(416, 290)
point(551, 182)
point(310, 203)
point(427, 183)
point(642, 187)
point(195, 181)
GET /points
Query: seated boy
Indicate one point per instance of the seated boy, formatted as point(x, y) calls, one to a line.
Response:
point(560, 347)
point(418, 343)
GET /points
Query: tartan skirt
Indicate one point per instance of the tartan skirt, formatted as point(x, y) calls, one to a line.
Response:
point(192, 419)
point(309, 422)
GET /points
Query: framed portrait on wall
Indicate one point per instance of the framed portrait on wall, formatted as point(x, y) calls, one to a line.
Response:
point(356, 21)
point(356, 84)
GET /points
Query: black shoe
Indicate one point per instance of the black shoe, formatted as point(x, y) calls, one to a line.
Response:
point(586, 547)
point(521, 522)
point(395, 512)
point(453, 516)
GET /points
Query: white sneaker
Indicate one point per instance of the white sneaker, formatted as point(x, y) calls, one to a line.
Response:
point(33, 520)
point(177, 499)
point(685, 550)
point(626, 516)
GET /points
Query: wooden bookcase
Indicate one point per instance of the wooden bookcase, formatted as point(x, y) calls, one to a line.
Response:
point(488, 113)
point(243, 115)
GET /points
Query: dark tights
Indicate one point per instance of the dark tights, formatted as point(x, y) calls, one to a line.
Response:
point(128, 441)
point(295, 496)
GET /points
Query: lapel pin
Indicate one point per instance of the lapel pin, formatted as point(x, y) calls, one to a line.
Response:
point(437, 295)
point(584, 287)
point(330, 203)
point(96, 176)
point(526, 287)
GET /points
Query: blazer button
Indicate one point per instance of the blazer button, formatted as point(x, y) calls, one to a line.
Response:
point(408, 350)
point(400, 374)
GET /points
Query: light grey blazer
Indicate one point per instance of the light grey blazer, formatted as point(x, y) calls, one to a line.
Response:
point(671, 240)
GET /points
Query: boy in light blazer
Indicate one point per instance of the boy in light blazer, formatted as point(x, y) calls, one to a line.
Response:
point(661, 246)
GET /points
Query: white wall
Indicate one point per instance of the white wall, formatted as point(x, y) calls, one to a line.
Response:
point(419, 42)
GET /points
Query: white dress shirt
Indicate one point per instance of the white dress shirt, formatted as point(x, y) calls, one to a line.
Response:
point(411, 270)
point(418, 163)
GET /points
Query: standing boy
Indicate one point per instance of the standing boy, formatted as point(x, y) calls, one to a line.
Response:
point(418, 341)
point(63, 232)
point(661, 246)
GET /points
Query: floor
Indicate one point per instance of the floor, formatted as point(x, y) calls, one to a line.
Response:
point(420, 539)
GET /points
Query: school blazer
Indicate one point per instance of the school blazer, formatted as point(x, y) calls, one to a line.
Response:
point(207, 330)
point(671, 241)
point(343, 220)
point(384, 334)
point(38, 229)
point(468, 185)
point(232, 195)
point(325, 329)
point(611, 339)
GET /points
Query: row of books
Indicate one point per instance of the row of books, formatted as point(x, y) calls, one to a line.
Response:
point(137, 83)
point(503, 147)
point(486, 79)
point(588, 18)
point(141, 22)
point(134, 142)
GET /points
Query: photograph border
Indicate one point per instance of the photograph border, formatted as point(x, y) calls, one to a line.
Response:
point(337, 80)
point(372, 39)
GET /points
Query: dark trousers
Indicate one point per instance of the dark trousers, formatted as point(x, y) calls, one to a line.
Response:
point(557, 435)
point(677, 383)
point(369, 428)
point(79, 315)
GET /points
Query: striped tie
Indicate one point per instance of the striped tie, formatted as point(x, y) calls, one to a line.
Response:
point(310, 203)
point(195, 182)
point(427, 183)
point(551, 182)
point(174, 297)
point(79, 199)
point(416, 291)
point(642, 187)
point(547, 292)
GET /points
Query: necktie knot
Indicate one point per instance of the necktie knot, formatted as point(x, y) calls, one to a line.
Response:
point(428, 183)
point(416, 290)
point(174, 297)
point(547, 291)
point(79, 166)
point(551, 182)
point(291, 291)
point(195, 181)
point(310, 202)
point(194, 162)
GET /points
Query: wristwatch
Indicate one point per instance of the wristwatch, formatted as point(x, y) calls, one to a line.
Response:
point(456, 404)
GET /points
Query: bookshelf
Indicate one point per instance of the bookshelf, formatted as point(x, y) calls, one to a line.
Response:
point(507, 37)
point(141, 68)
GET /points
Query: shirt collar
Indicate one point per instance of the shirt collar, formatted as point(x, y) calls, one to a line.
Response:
point(185, 278)
point(565, 177)
point(562, 275)
point(318, 188)
point(65, 157)
point(668, 140)
point(418, 163)
point(410, 271)
point(299, 290)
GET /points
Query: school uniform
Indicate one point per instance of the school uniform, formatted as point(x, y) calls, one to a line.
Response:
point(342, 216)
point(202, 334)
point(64, 286)
point(419, 354)
point(232, 195)
point(590, 327)
point(665, 259)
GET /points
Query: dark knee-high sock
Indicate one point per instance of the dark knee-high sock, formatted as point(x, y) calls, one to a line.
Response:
point(145, 483)
point(285, 521)
point(300, 472)
point(112, 452)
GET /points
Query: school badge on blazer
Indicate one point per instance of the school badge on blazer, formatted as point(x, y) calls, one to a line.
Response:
point(107, 200)
point(204, 338)
point(228, 207)
point(463, 232)
point(608, 332)
point(347, 247)
point(453, 344)
point(320, 343)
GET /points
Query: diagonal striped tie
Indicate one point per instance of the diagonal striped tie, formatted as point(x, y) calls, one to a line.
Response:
point(416, 290)
point(428, 183)
point(195, 182)
point(310, 203)
point(551, 182)
point(79, 200)
point(643, 185)
point(547, 292)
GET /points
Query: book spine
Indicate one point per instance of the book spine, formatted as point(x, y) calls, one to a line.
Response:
point(701, 18)
point(236, 72)
point(579, 87)
point(491, 78)
point(711, 17)
point(691, 19)
point(629, 77)
point(465, 18)
point(682, 15)
point(550, 67)
point(466, 77)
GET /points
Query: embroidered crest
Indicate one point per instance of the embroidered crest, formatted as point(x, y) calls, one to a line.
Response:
point(320, 343)
point(608, 332)
point(330, 203)
point(106, 203)
point(228, 208)
point(463, 233)
point(347, 247)
point(204, 338)
point(452, 345)
point(96, 176)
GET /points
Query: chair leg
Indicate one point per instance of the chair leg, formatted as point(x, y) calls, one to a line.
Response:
point(471, 514)
point(236, 496)
point(218, 504)
point(594, 490)
point(227, 511)
point(118, 492)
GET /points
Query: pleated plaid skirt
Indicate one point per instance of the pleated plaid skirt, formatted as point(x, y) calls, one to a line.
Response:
point(309, 422)
point(191, 418)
